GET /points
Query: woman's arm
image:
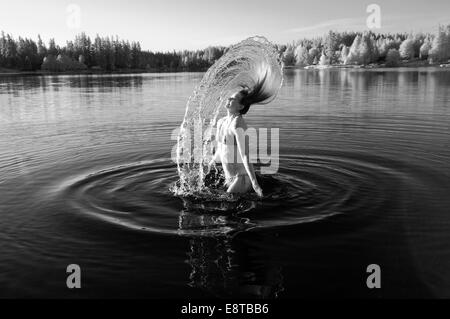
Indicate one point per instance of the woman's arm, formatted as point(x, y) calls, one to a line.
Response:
point(238, 131)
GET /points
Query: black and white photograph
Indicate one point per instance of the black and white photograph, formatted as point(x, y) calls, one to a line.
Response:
point(204, 151)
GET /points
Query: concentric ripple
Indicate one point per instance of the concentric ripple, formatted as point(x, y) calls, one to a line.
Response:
point(307, 188)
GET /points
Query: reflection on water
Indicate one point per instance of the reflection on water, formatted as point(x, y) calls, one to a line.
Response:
point(404, 91)
point(223, 264)
point(364, 174)
point(226, 267)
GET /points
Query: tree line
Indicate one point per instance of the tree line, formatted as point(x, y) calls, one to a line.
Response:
point(363, 48)
point(112, 53)
point(102, 53)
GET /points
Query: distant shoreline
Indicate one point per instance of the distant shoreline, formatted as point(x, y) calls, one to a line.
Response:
point(12, 72)
point(412, 64)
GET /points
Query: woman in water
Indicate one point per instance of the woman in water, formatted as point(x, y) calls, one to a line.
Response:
point(239, 174)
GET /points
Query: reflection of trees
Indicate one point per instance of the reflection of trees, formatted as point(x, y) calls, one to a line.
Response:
point(227, 266)
point(105, 83)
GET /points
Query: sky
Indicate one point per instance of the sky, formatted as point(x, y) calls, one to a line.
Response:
point(165, 25)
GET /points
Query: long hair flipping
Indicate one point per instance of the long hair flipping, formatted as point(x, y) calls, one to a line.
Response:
point(253, 67)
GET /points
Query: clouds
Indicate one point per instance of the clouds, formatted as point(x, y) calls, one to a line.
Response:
point(390, 23)
point(330, 25)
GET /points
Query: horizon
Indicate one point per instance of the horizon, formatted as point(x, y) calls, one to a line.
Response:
point(188, 26)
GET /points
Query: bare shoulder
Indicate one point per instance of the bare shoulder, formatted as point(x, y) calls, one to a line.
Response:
point(220, 121)
point(239, 122)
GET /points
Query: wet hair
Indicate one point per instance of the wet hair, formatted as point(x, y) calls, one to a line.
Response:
point(256, 95)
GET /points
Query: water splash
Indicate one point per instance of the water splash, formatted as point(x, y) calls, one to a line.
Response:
point(252, 61)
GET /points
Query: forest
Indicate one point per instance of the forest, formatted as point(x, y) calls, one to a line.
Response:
point(114, 54)
point(365, 48)
point(102, 53)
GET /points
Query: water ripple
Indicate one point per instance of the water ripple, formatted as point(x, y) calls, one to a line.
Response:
point(307, 188)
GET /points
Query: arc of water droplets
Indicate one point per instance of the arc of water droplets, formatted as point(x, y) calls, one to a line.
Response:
point(242, 65)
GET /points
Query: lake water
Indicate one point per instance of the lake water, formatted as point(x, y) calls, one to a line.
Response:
point(364, 178)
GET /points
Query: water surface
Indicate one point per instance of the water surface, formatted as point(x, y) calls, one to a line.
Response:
point(85, 172)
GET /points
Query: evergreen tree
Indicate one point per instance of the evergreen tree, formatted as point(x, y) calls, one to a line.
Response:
point(331, 46)
point(52, 48)
point(440, 51)
point(324, 60)
point(314, 55)
point(393, 58)
point(344, 54)
point(41, 49)
point(425, 49)
point(288, 56)
point(302, 56)
point(354, 56)
point(407, 49)
point(135, 55)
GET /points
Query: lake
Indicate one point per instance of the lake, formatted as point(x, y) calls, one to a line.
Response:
point(363, 178)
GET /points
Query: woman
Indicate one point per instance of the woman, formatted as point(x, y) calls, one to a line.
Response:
point(239, 174)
